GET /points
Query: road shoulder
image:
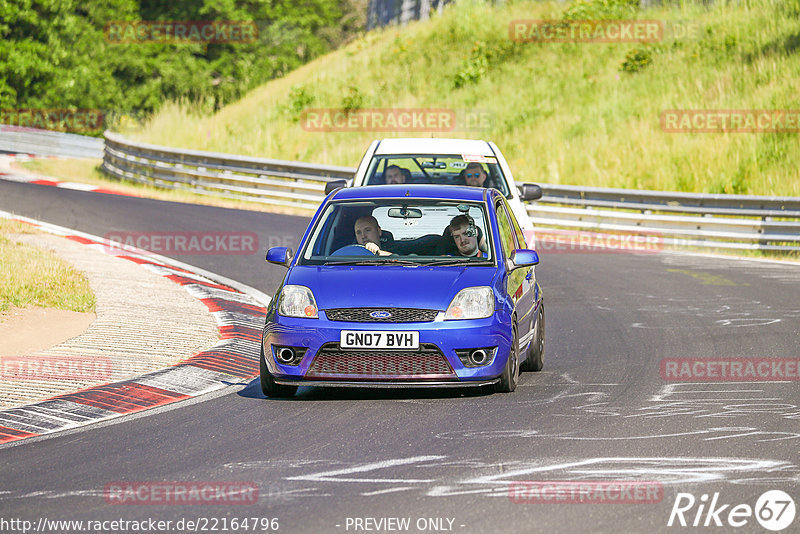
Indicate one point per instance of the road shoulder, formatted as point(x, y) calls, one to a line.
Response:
point(237, 310)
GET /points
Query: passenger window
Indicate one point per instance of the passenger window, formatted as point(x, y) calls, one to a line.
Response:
point(506, 231)
point(521, 243)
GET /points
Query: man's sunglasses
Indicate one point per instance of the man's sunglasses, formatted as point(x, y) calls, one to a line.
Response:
point(473, 175)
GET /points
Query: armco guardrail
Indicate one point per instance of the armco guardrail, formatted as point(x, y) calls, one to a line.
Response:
point(700, 220)
point(20, 140)
point(683, 219)
point(270, 181)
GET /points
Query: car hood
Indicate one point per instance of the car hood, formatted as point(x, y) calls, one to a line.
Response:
point(362, 286)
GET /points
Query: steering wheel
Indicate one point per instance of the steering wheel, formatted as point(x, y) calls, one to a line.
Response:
point(352, 250)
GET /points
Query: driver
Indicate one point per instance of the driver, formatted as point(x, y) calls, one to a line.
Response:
point(397, 175)
point(368, 234)
point(475, 175)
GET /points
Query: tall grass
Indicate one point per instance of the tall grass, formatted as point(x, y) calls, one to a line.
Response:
point(30, 276)
point(563, 113)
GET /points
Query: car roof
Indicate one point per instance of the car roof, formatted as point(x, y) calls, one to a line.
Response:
point(436, 191)
point(428, 145)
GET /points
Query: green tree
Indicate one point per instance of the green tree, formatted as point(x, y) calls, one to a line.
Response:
point(55, 54)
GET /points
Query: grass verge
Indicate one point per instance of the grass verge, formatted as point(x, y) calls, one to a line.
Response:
point(30, 276)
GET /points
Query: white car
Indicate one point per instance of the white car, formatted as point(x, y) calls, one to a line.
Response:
point(444, 161)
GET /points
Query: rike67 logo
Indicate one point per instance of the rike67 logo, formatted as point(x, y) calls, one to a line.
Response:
point(774, 510)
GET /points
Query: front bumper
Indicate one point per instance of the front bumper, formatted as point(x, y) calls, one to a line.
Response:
point(387, 384)
point(435, 364)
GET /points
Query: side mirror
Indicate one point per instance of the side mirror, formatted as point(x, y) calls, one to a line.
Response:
point(530, 192)
point(333, 185)
point(523, 257)
point(279, 255)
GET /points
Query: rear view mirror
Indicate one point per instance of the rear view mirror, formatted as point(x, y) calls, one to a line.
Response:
point(524, 258)
point(529, 192)
point(434, 165)
point(333, 185)
point(405, 213)
point(280, 256)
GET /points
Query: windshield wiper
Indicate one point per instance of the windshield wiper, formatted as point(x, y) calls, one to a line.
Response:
point(375, 261)
point(463, 261)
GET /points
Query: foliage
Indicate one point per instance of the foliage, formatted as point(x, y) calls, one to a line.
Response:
point(474, 67)
point(300, 98)
point(353, 100)
point(56, 54)
point(601, 10)
point(636, 59)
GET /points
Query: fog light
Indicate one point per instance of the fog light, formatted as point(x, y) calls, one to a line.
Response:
point(288, 355)
point(479, 357)
point(285, 355)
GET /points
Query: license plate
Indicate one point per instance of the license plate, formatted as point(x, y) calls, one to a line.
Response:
point(365, 339)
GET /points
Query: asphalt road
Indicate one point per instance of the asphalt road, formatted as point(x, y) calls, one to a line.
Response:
point(600, 410)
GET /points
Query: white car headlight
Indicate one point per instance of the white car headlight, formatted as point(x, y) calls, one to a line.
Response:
point(297, 301)
point(471, 303)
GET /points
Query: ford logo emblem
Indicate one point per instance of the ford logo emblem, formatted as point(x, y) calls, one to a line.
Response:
point(381, 314)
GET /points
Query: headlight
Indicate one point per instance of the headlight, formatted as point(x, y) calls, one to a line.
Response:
point(471, 303)
point(297, 301)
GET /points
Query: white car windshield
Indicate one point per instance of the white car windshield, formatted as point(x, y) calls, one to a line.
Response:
point(399, 231)
point(465, 169)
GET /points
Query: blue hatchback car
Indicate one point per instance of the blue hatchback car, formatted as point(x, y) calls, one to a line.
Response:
point(405, 286)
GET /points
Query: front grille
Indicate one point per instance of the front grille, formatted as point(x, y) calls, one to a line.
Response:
point(397, 315)
point(426, 363)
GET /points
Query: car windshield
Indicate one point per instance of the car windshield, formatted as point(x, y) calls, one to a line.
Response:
point(399, 231)
point(465, 169)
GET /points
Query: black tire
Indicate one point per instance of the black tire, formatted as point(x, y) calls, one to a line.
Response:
point(510, 376)
point(268, 385)
point(535, 360)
